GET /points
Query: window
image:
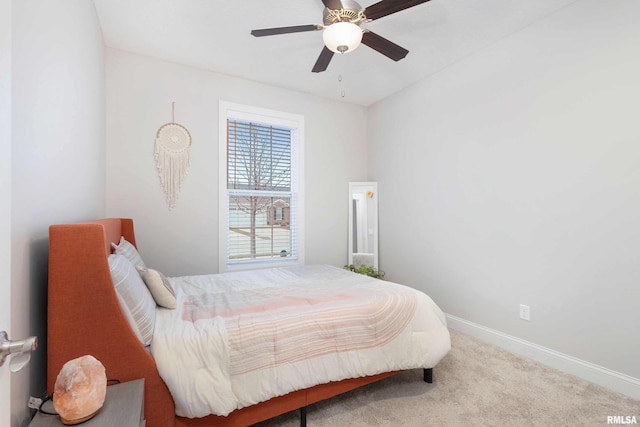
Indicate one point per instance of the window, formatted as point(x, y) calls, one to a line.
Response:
point(260, 192)
point(278, 214)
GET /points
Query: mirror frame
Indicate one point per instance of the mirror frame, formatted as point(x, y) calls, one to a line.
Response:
point(363, 187)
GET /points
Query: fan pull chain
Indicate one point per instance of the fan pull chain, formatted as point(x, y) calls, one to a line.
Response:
point(173, 105)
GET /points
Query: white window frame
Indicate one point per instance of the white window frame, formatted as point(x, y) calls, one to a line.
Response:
point(294, 121)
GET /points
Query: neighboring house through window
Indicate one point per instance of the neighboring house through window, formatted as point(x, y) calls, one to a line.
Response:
point(260, 187)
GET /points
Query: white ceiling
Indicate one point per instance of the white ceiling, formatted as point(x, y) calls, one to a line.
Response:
point(215, 35)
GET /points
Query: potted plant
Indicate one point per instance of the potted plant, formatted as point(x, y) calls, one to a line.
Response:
point(366, 270)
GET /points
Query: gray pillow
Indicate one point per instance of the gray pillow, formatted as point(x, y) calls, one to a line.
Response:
point(134, 297)
point(128, 250)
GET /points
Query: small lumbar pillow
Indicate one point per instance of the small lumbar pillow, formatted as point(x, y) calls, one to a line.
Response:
point(129, 251)
point(80, 390)
point(159, 287)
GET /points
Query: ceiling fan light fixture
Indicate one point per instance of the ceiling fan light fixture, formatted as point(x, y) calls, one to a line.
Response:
point(342, 37)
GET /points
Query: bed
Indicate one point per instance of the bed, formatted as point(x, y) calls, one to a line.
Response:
point(85, 317)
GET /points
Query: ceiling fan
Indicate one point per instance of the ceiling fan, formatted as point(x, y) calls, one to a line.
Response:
point(343, 31)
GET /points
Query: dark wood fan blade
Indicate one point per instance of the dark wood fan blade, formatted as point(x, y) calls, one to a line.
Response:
point(284, 30)
point(387, 7)
point(332, 4)
point(384, 46)
point(323, 60)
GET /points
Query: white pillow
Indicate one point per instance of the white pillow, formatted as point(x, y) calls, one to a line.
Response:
point(134, 297)
point(128, 250)
point(159, 286)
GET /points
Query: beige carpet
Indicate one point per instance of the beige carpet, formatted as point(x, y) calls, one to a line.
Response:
point(476, 384)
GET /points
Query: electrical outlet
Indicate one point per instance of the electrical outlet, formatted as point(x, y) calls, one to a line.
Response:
point(34, 402)
point(525, 312)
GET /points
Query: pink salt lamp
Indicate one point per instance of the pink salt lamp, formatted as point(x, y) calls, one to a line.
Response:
point(80, 389)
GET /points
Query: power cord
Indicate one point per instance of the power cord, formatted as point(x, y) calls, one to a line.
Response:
point(45, 400)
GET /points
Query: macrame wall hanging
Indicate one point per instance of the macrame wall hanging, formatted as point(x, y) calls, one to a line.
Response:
point(173, 156)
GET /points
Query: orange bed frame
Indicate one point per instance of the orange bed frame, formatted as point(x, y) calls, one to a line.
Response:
point(84, 317)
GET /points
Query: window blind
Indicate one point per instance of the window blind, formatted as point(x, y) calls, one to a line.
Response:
point(261, 192)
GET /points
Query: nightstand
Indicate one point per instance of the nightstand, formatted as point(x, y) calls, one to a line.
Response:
point(123, 407)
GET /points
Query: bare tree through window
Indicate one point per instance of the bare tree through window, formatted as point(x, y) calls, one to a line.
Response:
point(259, 185)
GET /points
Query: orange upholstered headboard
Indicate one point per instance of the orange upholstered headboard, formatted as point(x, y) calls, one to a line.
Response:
point(84, 315)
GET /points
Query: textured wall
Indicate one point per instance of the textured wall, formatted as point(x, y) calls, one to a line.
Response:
point(512, 177)
point(182, 241)
point(57, 163)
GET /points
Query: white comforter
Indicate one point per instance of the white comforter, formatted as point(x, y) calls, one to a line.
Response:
point(237, 339)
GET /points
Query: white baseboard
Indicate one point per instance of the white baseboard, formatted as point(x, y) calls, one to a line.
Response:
point(612, 380)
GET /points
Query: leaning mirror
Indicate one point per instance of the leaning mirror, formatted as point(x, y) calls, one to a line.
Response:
point(363, 224)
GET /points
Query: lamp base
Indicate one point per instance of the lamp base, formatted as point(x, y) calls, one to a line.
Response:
point(78, 421)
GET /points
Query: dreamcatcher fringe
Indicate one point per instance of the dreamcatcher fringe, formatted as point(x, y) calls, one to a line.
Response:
point(172, 169)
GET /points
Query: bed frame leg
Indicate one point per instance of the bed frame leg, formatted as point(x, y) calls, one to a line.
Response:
point(303, 416)
point(428, 378)
point(428, 375)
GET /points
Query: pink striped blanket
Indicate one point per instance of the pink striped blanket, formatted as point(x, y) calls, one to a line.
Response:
point(249, 336)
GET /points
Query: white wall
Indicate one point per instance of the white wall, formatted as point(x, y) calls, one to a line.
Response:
point(140, 91)
point(513, 177)
point(57, 149)
point(5, 195)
